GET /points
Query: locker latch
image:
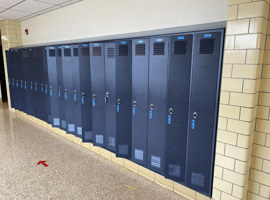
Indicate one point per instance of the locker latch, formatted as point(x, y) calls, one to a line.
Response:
point(94, 96)
point(82, 98)
point(152, 107)
point(195, 115)
point(106, 97)
point(134, 103)
point(118, 101)
point(170, 111)
point(75, 95)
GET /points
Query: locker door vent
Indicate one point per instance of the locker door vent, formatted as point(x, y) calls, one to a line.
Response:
point(85, 51)
point(64, 124)
point(159, 48)
point(155, 161)
point(110, 53)
point(59, 52)
point(175, 170)
point(79, 130)
point(207, 46)
point(67, 52)
point(123, 149)
point(180, 47)
point(138, 154)
point(140, 50)
point(71, 127)
point(88, 135)
point(112, 141)
point(96, 51)
point(99, 139)
point(197, 179)
point(75, 52)
point(51, 53)
point(56, 121)
point(123, 50)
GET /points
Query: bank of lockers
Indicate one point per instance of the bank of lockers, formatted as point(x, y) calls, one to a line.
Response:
point(153, 100)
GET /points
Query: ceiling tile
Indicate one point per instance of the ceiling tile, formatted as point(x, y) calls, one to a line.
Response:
point(1, 9)
point(55, 2)
point(9, 3)
point(32, 6)
point(13, 14)
point(69, 2)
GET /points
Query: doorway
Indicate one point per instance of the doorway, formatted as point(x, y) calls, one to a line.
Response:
point(3, 92)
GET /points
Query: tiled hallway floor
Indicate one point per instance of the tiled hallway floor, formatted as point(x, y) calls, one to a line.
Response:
point(74, 172)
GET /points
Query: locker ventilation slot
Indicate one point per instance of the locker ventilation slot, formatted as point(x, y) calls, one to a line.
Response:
point(71, 127)
point(155, 161)
point(56, 121)
point(59, 52)
point(138, 154)
point(207, 46)
point(85, 51)
point(75, 52)
point(88, 135)
point(67, 52)
point(110, 53)
point(52, 53)
point(79, 130)
point(180, 47)
point(123, 149)
point(64, 124)
point(123, 50)
point(96, 51)
point(140, 50)
point(112, 141)
point(174, 170)
point(159, 48)
point(99, 139)
point(197, 179)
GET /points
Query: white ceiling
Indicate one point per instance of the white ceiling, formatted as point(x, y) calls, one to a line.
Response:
point(25, 9)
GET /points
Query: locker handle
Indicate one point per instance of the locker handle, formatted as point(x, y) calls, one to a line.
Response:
point(106, 99)
point(152, 107)
point(118, 101)
point(134, 103)
point(170, 111)
point(107, 94)
point(195, 115)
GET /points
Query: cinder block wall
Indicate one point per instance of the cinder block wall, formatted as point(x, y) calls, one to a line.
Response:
point(11, 37)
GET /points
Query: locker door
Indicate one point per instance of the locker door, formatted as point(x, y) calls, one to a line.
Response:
point(47, 106)
point(177, 105)
point(140, 66)
point(98, 93)
point(85, 96)
point(16, 58)
point(26, 69)
point(21, 83)
point(10, 76)
point(110, 96)
point(123, 96)
point(31, 73)
point(77, 117)
point(53, 86)
point(157, 103)
point(206, 68)
point(67, 65)
point(60, 88)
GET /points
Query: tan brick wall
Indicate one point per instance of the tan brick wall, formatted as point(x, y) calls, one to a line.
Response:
point(259, 180)
point(10, 37)
point(241, 90)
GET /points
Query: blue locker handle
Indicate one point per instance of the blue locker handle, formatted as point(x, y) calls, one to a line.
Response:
point(25, 86)
point(150, 114)
point(35, 88)
point(169, 119)
point(9, 82)
point(41, 89)
point(93, 102)
point(31, 87)
point(75, 97)
point(193, 124)
point(59, 94)
point(46, 91)
point(51, 92)
point(21, 85)
point(13, 84)
point(118, 108)
point(134, 110)
point(66, 96)
point(82, 100)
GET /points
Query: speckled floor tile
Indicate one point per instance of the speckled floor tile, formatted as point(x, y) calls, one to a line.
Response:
point(74, 172)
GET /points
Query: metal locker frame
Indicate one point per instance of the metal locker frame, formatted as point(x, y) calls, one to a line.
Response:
point(85, 96)
point(179, 69)
point(110, 98)
point(9, 56)
point(124, 97)
point(53, 86)
point(203, 112)
point(97, 65)
point(67, 66)
point(158, 66)
point(140, 67)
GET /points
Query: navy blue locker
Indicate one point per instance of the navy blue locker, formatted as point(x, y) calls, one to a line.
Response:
point(180, 58)
point(110, 96)
point(20, 78)
point(67, 66)
point(53, 86)
point(140, 66)
point(16, 58)
point(85, 96)
point(60, 88)
point(98, 93)
point(46, 96)
point(158, 66)
point(203, 113)
point(124, 97)
point(11, 82)
point(77, 115)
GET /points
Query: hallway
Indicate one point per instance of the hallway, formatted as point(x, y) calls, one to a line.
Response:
point(73, 171)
